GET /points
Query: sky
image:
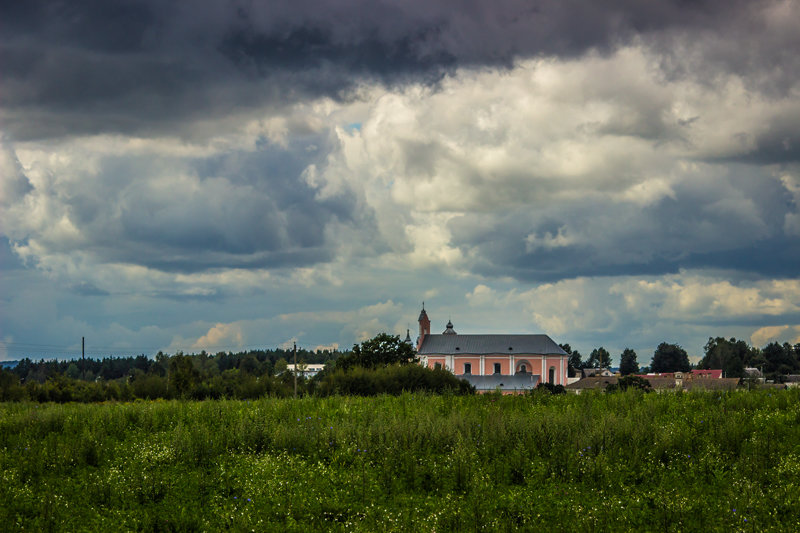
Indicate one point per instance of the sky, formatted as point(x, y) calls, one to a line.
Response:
point(227, 175)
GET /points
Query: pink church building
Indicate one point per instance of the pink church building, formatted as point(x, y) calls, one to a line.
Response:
point(510, 363)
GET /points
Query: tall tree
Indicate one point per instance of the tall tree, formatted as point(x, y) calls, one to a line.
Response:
point(780, 358)
point(280, 366)
point(182, 375)
point(574, 362)
point(628, 363)
point(729, 355)
point(381, 350)
point(599, 358)
point(670, 358)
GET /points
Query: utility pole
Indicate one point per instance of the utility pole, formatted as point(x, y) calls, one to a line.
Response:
point(295, 370)
point(83, 356)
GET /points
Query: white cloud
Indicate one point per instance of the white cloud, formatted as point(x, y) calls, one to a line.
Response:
point(220, 335)
point(638, 311)
point(780, 334)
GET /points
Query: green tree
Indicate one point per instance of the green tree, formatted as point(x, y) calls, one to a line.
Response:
point(280, 366)
point(780, 359)
point(628, 363)
point(574, 362)
point(10, 388)
point(182, 375)
point(630, 382)
point(599, 358)
point(670, 358)
point(250, 365)
point(729, 355)
point(379, 351)
point(72, 371)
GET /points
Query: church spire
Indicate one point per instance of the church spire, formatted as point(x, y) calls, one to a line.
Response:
point(424, 326)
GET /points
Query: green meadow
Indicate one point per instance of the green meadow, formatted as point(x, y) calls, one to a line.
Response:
point(415, 462)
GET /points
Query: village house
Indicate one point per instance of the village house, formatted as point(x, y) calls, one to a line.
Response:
point(596, 372)
point(509, 363)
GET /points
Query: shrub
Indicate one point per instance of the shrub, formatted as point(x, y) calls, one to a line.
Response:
point(393, 379)
point(549, 387)
point(630, 382)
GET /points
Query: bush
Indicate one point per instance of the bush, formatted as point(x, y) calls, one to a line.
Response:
point(549, 387)
point(393, 379)
point(630, 382)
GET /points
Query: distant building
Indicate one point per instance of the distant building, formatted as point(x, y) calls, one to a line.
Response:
point(712, 374)
point(753, 373)
point(509, 363)
point(306, 371)
point(600, 372)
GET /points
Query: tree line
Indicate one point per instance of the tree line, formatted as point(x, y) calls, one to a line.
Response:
point(242, 375)
point(378, 365)
point(732, 356)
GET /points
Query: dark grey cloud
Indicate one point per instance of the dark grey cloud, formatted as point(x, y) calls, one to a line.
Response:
point(238, 209)
point(778, 144)
point(91, 66)
point(88, 289)
point(14, 184)
point(734, 224)
point(8, 259)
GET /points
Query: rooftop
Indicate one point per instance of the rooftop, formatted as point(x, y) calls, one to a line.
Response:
point(453, 344)
point(497, 381)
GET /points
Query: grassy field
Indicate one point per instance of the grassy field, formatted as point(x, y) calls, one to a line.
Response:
point(594, 462)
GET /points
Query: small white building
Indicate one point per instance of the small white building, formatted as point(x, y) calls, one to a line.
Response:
point(305, 370)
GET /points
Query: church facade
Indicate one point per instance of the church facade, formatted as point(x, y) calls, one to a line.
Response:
point(510, 363)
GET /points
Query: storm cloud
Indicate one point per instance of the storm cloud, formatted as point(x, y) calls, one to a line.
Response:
point(140, 66)
point(249, 165)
